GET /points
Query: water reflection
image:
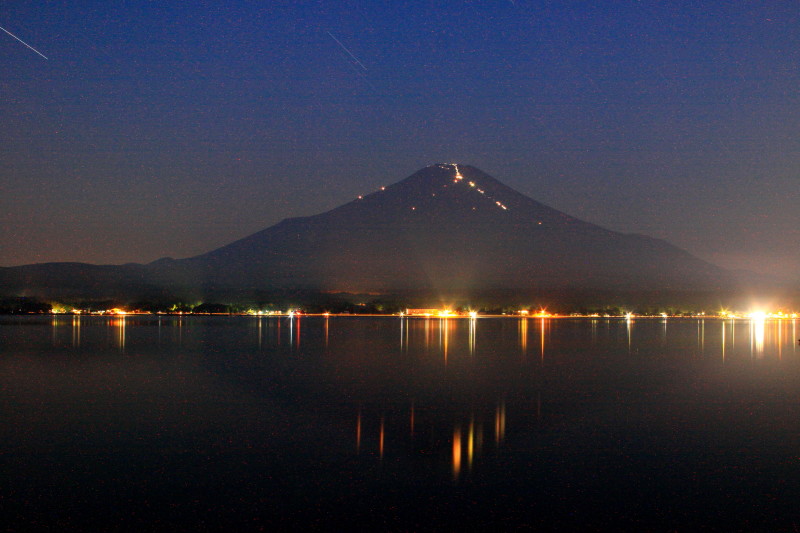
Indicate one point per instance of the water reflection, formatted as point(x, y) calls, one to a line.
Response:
point(542, 334)
point(757, 327)
point(456, 452)
point(119, 324)
point(723, 340)
point(500, 423)
point(701, 324)
point(449, 399)
point(358, 432)
point(472, 333)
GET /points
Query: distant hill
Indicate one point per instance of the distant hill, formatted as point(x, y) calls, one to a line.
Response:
point(445, 229)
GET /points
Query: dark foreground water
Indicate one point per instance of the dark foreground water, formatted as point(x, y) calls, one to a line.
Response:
point(387, 423)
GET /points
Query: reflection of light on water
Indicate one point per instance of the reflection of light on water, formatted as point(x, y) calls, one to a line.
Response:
point(471, 443)
point(628, 328)
point(402, 333)
point(523, 335)
point(500, 422)
point(54, 323)
point(382, 435)
point(180, 330)
point(444, 333)
point(76, 331)
point(326, 329)
point(358, 432)
point(757, 336)
point(701, 325)
point(723, 341)
point(456, 451)
point(472, 327)
point(119, 323)
point(541, 335)
point(260, 334)
point(411, 421)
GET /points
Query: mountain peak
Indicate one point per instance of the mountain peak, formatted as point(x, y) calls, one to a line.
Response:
point(449, 228)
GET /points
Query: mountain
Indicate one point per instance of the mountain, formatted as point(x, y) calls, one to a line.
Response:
point(446, 228)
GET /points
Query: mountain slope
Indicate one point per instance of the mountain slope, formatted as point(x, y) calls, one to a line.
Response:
point(446, 227)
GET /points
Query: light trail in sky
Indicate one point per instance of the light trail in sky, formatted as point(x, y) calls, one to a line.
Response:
point(23, 42)
point(348, 51)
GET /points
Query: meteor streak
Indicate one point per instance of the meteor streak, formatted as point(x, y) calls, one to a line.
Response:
point(23, 42)
point(348, 51)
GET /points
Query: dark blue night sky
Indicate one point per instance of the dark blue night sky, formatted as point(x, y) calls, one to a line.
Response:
point(166, 128)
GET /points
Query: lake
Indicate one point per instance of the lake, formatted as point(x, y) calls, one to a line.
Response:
point(389, 423)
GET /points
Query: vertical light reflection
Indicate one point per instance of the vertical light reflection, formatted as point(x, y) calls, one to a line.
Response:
point(757, 337)
point(723, 341)
point(381, 438)
point(180, 330)
point(664, 332)
point(456, 452)
point(541, 334)
point(444, 324)
point(779, 326)
point(471, 442)
point(297, 333)
point(500, 422)
point(76, 331)
point(628, 328)
point(402, 333)
point(54, 323)
point(260, 333)
point(358, 432)
point(523, 335)
point(794, 336)
point(120, 324)
point(326, 330)
point(291, 329)
point(472, 328)
point(702, 336)
point(411, 421)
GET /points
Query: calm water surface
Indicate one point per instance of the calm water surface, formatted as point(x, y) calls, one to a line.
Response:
point(389, 423)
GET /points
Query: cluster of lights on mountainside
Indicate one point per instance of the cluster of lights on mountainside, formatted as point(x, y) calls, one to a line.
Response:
point(459, 178)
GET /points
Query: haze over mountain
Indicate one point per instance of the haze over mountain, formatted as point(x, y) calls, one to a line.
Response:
point(447, 228)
